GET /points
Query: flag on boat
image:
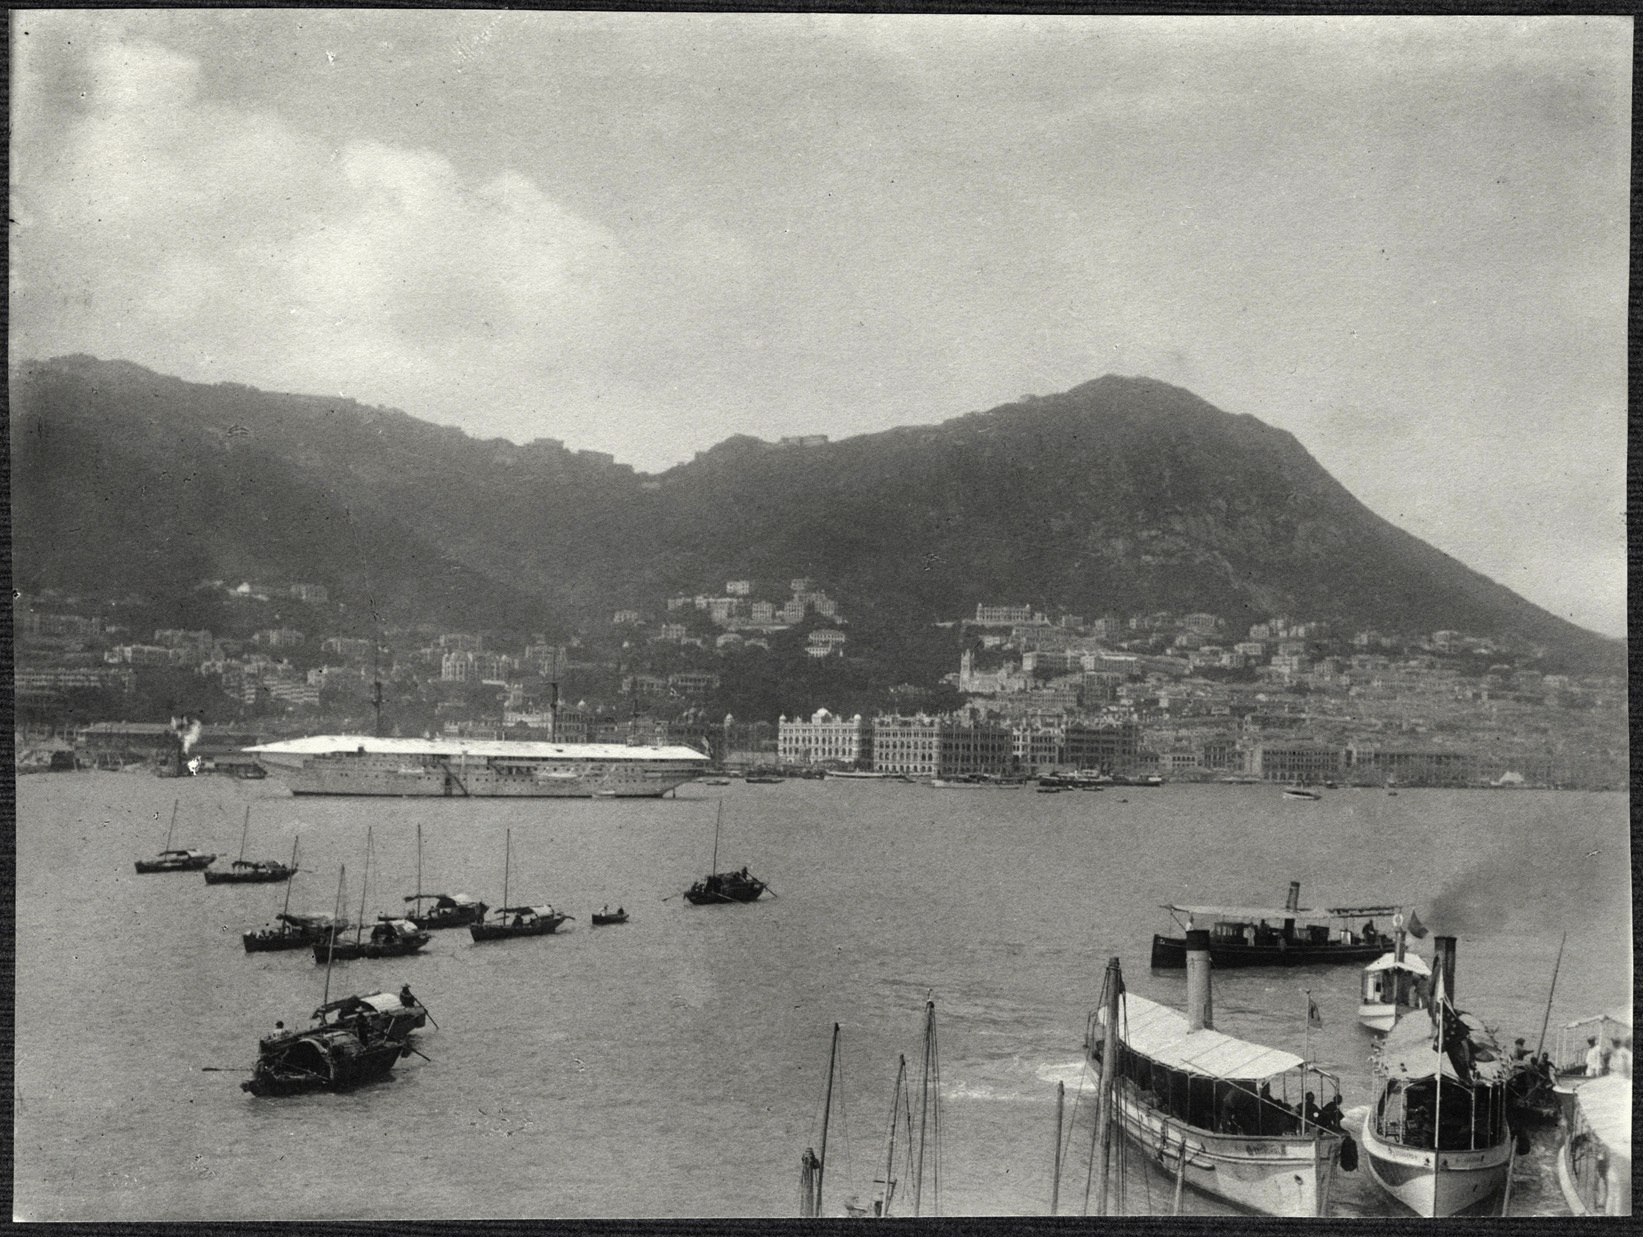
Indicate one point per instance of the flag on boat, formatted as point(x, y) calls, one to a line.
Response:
point(1415, 927)
point(1313, 1017)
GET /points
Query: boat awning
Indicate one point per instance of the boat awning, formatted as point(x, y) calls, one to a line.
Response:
point(541, 912)
point(1621, 1014)
point(1363, 912)
point(1160, 1034)
point(1606, 1103)
point(1250, 914)
point(1410, 1052)
point(1413, 963)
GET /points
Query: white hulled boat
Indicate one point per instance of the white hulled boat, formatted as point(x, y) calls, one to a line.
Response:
point(1436, 1137)
point(1594, 1162)
point(480, 768)
point(1396, 982)
point(1223, 1115)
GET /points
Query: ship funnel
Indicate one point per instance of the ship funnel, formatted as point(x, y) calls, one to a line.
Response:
point(1293, 901)
point(1443, 966)
point(1200, 1003)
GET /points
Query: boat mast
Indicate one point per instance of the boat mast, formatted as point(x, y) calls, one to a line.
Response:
point(929, 1118)
point(717, 821)
point(359, 927)
point(1104, 1090)
point(1055, 1158)
point(1548, 1016)
point(290, 880)
point(331, 937)
point(246, 829)
point(419, 866)
point(507, 862)
point(827, 1112)
point(890, 1137)
point(173, 826)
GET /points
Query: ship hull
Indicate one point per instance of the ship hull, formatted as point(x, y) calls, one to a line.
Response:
point(1436, 1183)
point(478, 769)
point(1170, 954)
point(1277, 1176)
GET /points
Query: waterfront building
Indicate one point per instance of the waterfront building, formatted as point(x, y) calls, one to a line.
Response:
point(1105, 745)
point(825, 738)
point(907, 745)
point(1002, 615)
point(1297, 761)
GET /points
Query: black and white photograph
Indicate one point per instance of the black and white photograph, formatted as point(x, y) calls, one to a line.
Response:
point(706, 615)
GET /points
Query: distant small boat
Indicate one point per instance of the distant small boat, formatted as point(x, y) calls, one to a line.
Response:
point(607, 917)
point(1290, 935)
point(714, 781)
point(443, 910)
point(512, 921)
point(717, 888)
point(1300, 792)
point(763, 779)
point(169, 860)
point(245, 871)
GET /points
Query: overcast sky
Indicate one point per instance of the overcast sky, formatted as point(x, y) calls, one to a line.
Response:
point(1402, 239)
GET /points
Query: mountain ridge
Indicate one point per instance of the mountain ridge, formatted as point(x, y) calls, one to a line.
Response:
point(1121, 495)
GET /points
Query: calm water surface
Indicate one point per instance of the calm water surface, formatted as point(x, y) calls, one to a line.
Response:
point(674, 1067)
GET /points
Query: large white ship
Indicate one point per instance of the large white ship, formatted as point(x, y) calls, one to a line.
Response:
point(480, 768)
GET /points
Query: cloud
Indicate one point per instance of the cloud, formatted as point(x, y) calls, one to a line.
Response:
point(219, 242)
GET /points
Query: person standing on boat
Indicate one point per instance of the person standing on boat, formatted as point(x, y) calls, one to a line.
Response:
point(1519, 1051)
point(407, 998)
point(1620, 1060)
point(1594, 1058)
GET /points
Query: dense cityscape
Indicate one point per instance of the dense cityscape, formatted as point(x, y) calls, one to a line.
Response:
point(1192, 696)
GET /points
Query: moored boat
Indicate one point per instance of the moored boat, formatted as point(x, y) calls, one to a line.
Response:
point(291, 1062)
point(1291, 935)
point(440, 910)
point(512, 921)
point(444, 910)
point(1231, 1118)
point(390, 938)
point(1396, 982)
point(174, 860)
point(1301, 793)
point(292, 931)
point(608, 917)
point(1436, 1137)
point(1594, 1156)
point(384, 1015)
point(245, 871)
point(475, 768)
point(720, 887)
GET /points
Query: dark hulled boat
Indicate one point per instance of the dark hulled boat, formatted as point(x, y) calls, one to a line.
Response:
point(175, 861)
point(721, 887)
point(170, 860)
point(390, 938)
point(605, 918)
point(291, 1062)
point(292, 932)
point(725, 887)
point(511, 921)
point(249, 872)
point(382, 1015)
point(445, 910)
point(245, 871)
point(1292, 935)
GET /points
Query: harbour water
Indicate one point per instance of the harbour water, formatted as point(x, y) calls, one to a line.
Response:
point(674, 1066)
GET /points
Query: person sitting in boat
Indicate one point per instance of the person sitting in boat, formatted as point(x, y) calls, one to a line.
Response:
point(620, 911)
point(1329, 1116)
point(519, 920)
point(1370, 935)
point(605, 909)
point(1310, 1112)
point(1519, 1050)
point(406, 997)
point(1249, 933)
